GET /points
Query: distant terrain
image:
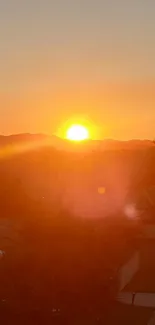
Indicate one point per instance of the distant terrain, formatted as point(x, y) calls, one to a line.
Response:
point(48, 171)
point(42, 139)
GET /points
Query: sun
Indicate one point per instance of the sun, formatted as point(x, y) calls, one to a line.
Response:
point(77, 132)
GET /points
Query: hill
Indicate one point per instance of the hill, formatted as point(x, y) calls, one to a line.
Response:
point(45, 140)
point(50, 175)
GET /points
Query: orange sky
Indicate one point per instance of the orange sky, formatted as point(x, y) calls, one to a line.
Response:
point(114, 110)
point(91, 61)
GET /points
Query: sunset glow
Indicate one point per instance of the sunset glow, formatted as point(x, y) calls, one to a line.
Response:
point(77, 133)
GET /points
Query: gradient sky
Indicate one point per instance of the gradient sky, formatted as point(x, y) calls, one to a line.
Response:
point(84, 59)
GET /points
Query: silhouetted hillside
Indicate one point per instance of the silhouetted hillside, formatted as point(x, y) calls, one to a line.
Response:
point(74, 180)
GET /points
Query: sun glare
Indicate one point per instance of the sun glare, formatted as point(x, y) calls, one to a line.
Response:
point(77, 133)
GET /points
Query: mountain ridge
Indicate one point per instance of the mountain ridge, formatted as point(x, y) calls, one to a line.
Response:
point(41, 139)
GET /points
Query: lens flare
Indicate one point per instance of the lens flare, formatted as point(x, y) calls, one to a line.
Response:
point(131, 211)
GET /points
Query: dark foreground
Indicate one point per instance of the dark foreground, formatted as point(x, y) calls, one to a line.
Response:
point(114, 314)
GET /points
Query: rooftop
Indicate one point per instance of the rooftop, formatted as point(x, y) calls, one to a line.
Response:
point(144, 280)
